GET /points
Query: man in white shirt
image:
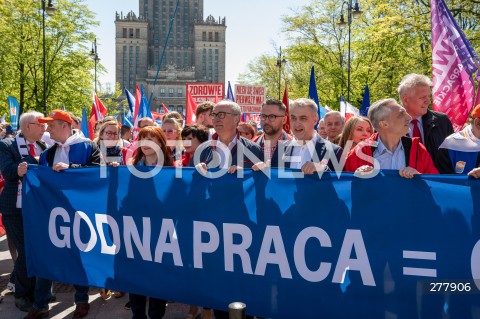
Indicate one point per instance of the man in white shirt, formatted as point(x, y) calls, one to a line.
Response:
point(308, 151)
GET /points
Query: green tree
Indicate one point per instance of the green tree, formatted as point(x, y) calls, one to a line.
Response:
point(68, 66)
point(391, 39)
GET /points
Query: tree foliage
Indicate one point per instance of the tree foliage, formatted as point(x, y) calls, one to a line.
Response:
point(391, 39)
point(69, 75)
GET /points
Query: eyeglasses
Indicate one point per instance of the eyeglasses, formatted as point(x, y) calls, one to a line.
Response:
point(270, 117)
point(44, 125)
point(220, 115)
point(169, 131)
point(111, 134)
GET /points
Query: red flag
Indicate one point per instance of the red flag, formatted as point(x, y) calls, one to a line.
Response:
point(191, 108)
point(286, 126)
point(165, 109)
point(98, 113)
point(156, 115)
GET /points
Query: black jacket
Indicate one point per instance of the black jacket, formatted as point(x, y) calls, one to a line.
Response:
point(436, 127)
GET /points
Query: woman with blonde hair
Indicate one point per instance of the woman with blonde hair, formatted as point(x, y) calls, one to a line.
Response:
point(357, 129)
point(110, 143)
point(173, 132)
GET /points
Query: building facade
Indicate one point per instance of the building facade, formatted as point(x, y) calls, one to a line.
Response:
point(194, 52)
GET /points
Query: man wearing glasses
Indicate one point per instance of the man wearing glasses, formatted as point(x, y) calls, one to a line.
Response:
point(15, 155)
point(229, 149)
point(273, 118)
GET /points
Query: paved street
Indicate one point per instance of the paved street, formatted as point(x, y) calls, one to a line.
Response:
point(64, 307)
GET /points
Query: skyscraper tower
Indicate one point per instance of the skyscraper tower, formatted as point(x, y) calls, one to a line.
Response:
point(195, 51)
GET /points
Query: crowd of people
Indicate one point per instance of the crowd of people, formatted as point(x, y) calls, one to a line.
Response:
point(402, 135)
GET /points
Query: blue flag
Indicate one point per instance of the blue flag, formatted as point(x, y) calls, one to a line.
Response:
point(144, 110)
point(84, 126)
point(365, 102)
point(63, 108)
point(312, 89)
point(230, 95)
point(14, 112)
point(128, 118)
point(312, 94)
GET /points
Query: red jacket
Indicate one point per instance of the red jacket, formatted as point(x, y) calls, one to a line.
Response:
point(416, 156)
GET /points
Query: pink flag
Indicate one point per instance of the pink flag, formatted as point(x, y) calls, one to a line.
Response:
point(97, 113)
point(453, 60)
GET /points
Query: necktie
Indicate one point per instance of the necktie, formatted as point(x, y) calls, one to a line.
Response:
point(416, 130)
point(31, 150)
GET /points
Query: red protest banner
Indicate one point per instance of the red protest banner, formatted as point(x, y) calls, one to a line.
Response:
point(202, 92)
point(250, 97)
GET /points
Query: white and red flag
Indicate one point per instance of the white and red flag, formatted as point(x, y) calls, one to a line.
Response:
point(347, 109)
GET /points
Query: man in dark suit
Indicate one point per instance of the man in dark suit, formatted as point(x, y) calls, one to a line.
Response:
point(228, 149)
point(15, 155)
point(273, 118)
point(308, 151)
point(430, 126)
point(71, 150)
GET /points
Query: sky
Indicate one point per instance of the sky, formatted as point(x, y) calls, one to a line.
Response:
point(253, 29)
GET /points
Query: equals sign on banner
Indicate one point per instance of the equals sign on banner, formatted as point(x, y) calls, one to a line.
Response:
point(419, 255)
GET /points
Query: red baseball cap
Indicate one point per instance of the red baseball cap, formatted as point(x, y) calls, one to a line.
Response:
point(476, 112)
point(56, 115)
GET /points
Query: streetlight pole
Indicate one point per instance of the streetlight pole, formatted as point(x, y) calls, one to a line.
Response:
point(49, 10)
point(352, 12)
point(280, 62)
point(94, 56)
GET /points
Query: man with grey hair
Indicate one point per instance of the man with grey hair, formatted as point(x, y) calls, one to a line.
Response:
point(334, 122)
point(389, 148)
point(229, 149)
point(322, 129)
point(430, 126)
point(15, 155)
point(307, 151)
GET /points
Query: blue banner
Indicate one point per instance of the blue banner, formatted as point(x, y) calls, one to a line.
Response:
point(14, 109)
point(287, 247)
